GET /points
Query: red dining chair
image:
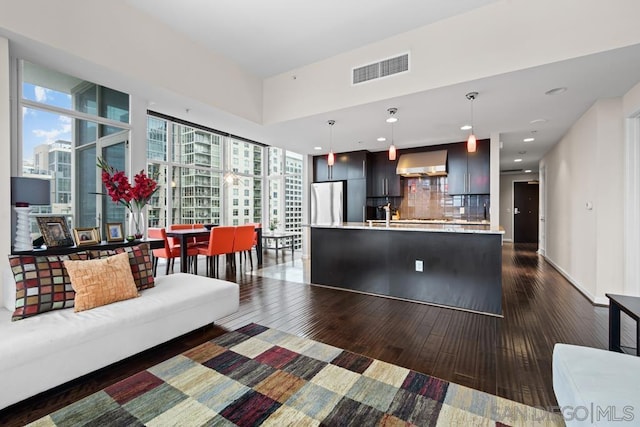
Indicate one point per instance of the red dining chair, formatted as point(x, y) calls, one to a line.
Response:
point(220, 243)
point(200, 241)
point(243, 242)
point(174, 241)
point(170, 253)
point(255, 236)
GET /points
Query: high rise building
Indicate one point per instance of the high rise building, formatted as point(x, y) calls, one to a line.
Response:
point(54, 160)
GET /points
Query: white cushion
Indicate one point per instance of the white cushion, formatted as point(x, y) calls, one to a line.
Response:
point(593, 386)
point(52, 348)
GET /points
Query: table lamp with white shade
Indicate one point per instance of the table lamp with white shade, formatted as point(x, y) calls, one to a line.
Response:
point(25, 192)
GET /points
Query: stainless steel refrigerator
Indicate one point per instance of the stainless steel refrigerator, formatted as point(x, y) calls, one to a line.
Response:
point(327, 203)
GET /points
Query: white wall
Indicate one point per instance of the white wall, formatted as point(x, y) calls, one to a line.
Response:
point(631, 112)
point(506, 200)
point(126, 41)
point(5, 157)
point(481, 43)
point(586, 169)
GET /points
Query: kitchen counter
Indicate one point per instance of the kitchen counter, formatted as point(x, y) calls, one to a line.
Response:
point(452, 265)
point(404, 225)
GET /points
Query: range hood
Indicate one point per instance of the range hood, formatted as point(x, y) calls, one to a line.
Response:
point(430, 163)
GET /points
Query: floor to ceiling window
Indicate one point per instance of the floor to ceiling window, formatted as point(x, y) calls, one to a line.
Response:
point(285, 192)
point(204, 175)
point(66, 123)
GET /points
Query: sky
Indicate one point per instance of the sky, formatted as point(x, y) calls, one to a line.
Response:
point(41, 127)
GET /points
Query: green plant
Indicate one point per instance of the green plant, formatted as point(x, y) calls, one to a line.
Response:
point(273, 224)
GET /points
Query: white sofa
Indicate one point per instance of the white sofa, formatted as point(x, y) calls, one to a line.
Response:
point(596, 387)
point(49, 349)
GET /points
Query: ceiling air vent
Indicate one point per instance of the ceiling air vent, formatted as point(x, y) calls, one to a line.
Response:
point(383, 68)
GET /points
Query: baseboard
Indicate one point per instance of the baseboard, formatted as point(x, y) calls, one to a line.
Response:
point(504, 239)
point(580, 288)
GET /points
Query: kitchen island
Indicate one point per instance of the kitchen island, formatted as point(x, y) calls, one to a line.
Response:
point(461, 263)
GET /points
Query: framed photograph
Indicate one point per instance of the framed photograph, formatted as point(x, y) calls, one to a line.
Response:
point(114, 232)
point(86, 236)
point(54, 231)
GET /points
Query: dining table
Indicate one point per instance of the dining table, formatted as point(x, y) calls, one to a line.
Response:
point(184, 235)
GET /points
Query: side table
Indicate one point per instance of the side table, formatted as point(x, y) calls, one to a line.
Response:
point(631, 306)
point(281, 240)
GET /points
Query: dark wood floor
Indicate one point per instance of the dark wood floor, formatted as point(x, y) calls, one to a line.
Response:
point(509, 357)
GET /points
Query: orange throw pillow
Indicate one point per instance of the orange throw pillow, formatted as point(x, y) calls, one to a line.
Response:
point(101, 281)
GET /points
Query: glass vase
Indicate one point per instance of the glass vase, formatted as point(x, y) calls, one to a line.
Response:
point(137, 224)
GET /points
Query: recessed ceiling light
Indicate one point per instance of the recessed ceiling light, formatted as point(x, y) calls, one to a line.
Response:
point(517, 160)
point(465, 127)
point(556, 91)
point(392, 119)
point(529, 139)
point(527, 171)
point(536, 121)
point(382, 139)
point(317, 148)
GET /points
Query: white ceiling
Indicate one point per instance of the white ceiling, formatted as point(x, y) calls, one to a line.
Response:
point(274, 36)
point(279, 35)
point(268, 38)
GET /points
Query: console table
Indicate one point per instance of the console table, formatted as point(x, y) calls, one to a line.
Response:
point(631, 306)
point(63, 250)
point(278, 240)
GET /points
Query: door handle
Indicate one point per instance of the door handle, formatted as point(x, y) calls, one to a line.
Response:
point(516, 211)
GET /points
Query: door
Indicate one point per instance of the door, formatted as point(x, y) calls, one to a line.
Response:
point(525, 212)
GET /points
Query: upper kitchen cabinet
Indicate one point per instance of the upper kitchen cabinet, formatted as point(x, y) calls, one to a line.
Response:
point(382, 179)
point(351, 165)
point(320, 169)
point(468, 173)
point(355, 164)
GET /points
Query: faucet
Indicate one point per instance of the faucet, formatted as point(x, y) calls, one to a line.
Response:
point(387, 214)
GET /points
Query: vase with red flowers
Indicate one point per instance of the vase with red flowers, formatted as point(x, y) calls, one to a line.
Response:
point(134, 197)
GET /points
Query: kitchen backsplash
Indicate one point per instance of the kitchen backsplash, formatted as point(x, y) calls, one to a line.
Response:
point(427, 198)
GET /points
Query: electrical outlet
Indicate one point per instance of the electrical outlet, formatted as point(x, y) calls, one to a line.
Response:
point(419, 265)
point(462, 210)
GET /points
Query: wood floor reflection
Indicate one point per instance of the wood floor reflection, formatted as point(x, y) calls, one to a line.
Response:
point(508, 357)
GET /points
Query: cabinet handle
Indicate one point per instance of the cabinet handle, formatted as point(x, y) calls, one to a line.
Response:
point(364, 213)
point(364, 169)
point(386, 186)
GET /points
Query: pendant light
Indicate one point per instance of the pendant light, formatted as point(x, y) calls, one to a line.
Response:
point(392, 119)
point(471, 141)
point(331, 158)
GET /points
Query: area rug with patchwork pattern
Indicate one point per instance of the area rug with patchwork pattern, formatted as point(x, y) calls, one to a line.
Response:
point(261, 376)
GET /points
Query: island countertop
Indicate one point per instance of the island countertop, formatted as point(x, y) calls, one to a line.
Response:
point(442, 227)
point(449, 265)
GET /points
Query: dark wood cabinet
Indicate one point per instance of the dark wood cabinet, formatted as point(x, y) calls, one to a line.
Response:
point(351, 165)
point(457, 169)
point(356, 164)
point(320, 169)
point(382, 180)
point(356, 200)
point(468, 173)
